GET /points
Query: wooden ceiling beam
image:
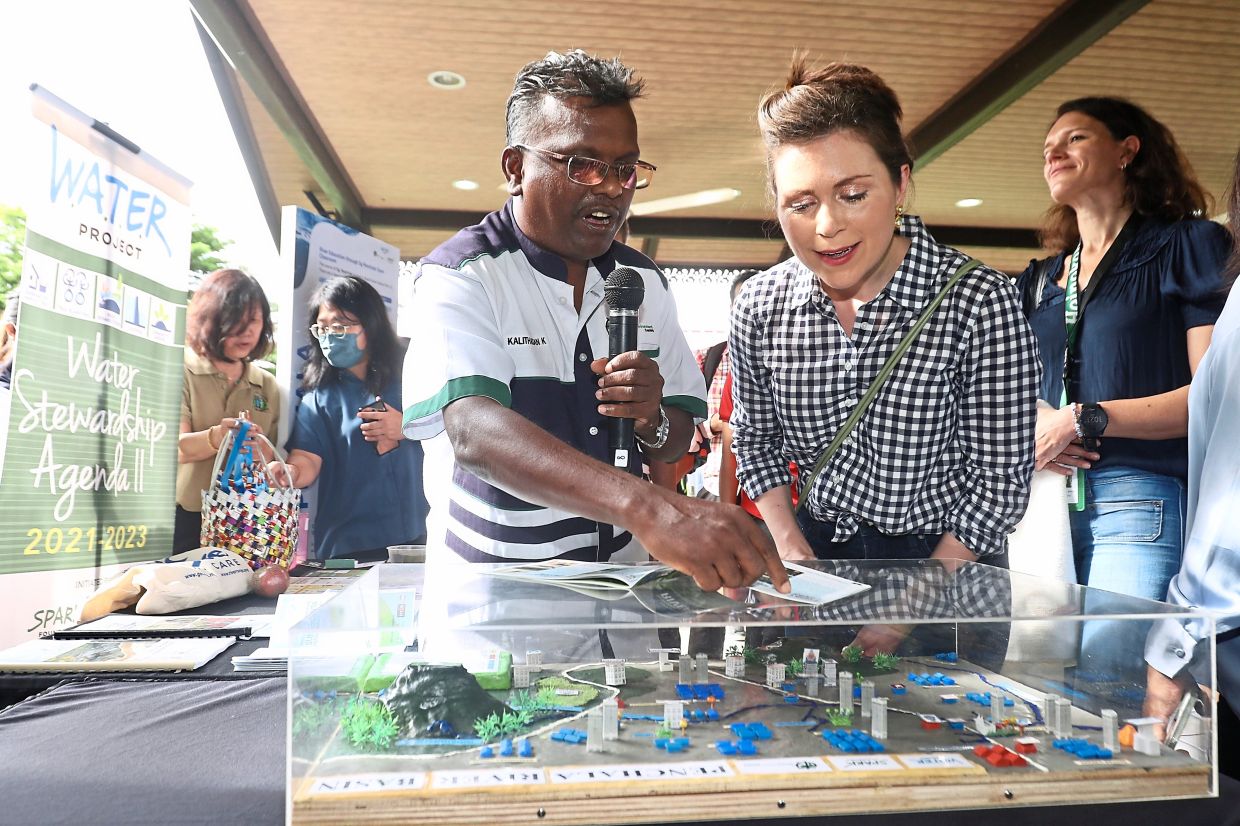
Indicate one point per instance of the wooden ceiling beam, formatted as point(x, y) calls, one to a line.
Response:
point(1072, 28)
point(238, 36)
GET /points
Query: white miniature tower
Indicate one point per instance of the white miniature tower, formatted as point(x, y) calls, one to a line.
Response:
point(878, 718)
point(1110, 729)
point(846, 691)
point(811, 686)
point(673, 714)
point(1064, 717)
point(594, 731)
point(775, 674)
point(665, 664)
point(520, 676)
point(611, 719)
point(1050, 706)
point(996, 707)
point(734, 666)
point(811, 668)
point(702, 673)
point(686, 669)
point(1145, 741)
point(829, 668)
point(533, 659)
point(867, 697)
point(614, 672)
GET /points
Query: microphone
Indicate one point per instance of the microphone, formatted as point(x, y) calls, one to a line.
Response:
point(623, 291)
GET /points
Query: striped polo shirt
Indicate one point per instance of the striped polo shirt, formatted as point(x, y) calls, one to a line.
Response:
point(493, 316)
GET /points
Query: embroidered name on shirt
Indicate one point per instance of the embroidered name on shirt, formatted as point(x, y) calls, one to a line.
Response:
point(513, 341)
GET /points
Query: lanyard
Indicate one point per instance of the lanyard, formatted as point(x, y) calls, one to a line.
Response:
point(1074, 490)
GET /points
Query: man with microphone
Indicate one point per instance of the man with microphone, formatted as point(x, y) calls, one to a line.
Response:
point(509, 356)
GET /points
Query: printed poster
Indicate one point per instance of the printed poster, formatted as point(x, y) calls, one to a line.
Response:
point(88, 477)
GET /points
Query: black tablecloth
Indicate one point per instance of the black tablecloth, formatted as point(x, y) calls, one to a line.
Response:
point(93, 752)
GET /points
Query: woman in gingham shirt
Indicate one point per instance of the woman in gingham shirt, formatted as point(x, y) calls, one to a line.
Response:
point(939, 466)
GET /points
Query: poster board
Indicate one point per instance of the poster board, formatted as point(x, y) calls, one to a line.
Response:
point(314, 250)
point(88, 478)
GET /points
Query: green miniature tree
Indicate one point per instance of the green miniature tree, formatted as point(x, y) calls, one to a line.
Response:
point(310, 717)
point(752, 656)
point(886, 662)
point(368, 725)
point(851, 654)
point(794, 668)
point(839, 717)
point(487, 728)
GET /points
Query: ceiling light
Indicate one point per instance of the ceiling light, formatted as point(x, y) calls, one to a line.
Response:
point(693, 199)
point(465, 184)
point(444, 79)
point(969, 203)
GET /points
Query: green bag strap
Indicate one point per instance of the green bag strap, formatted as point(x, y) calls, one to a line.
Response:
point(886, 370)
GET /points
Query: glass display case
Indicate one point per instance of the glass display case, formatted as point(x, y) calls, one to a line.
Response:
point(449, 693)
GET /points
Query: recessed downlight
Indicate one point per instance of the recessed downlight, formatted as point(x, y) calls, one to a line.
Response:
point(445, 79)
point(465, 184)
point(969, 203)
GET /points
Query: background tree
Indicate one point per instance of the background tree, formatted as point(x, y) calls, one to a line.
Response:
point(205, 247)
point(12, 240)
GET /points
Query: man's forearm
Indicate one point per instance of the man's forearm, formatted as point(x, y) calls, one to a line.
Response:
point(507, 450)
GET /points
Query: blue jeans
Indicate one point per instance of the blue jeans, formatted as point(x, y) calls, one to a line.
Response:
point(1128, 540)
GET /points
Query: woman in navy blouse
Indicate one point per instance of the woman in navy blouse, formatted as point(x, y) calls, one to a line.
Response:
point(1142, 274)
point(347, 432)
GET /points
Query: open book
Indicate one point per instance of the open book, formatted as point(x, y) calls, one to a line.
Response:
point(607, 580)
point(177, 654)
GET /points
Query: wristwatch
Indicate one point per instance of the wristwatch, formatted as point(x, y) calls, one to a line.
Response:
point(661, 432)
point(1091, 423)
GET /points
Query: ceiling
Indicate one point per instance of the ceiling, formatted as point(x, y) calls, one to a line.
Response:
point(333, 110)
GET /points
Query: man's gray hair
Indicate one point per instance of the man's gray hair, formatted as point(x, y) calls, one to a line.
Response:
point(561, 76)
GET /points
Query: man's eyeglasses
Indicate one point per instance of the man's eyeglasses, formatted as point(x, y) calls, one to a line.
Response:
point(337, 330)
point(591, 172)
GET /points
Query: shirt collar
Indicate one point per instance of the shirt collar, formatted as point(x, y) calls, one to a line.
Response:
point(546, 262)
point(202, 366)
point(910, 287)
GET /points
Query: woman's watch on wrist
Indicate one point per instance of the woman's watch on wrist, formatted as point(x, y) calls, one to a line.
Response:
point(1091, 422)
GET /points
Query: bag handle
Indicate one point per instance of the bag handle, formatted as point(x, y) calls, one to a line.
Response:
point(884, 372)
point(230, 448)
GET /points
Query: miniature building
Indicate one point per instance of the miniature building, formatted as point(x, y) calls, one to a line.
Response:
point(846, 691)
point(878, 718)
point(673, 714)
point(611, 719)
point(1110, 729)
point(534, 660)
point(613, 671)
point(594, 731)
point(702, 672)
point(867, 697)
point(775, 674)
point(1064, 718)
point(734, 666)
point(811, 668)
point(520, 676)
point(665, 663)
point(996, 707)
point(1050, 705)
point(686, 669)
point(829, 668)
point(1145, 741)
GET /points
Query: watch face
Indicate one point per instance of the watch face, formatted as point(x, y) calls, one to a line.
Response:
point(1093, 420)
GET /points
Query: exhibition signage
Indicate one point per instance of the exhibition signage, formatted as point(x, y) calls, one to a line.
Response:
point(314, 250)
point(88, 479)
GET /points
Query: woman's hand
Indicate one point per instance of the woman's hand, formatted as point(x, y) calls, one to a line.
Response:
point(1059, 450)
point(282, 474)
point(792, 546)
point(381, 427)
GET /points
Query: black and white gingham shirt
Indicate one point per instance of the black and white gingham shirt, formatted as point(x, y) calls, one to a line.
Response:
point(948, 444)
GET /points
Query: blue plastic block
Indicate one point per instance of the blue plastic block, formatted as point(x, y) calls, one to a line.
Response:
point(947, 657)
point(741, 730)
point(747, 748)
point(716, 691)
point(725, 747)
point(526, 749)
point(684, 692)
point(791, 699)
point(856, 692)
point(505, 748)
point(485, 751)
point(660, 742)
point(949, 700)
point(956, 723)
point(683, 742)
point(760, 731)
point(898, 689)
point(711, 714)
point(674, 748)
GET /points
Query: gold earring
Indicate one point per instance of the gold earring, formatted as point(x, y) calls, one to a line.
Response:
point(899, 214)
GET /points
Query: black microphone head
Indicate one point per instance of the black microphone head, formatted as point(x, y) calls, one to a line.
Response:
point(624, 289)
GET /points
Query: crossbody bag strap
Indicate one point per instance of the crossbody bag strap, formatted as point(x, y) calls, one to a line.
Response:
point(883, 374)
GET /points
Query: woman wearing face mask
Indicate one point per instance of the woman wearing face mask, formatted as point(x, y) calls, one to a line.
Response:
point(347, 434)
point(1143, 278)
point(228, 326)
point(939, 465)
